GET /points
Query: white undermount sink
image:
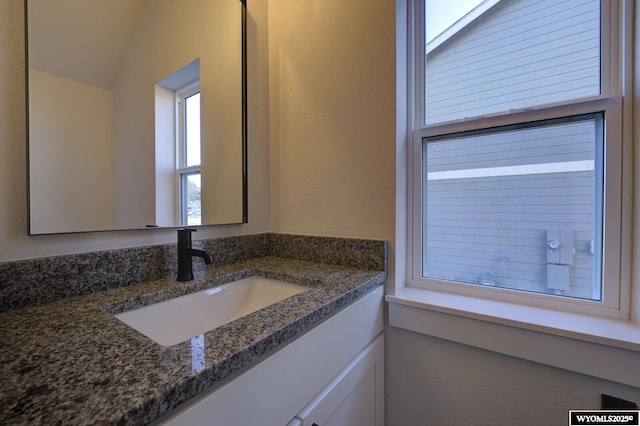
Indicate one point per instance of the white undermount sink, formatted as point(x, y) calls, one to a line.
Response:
point(179, 319)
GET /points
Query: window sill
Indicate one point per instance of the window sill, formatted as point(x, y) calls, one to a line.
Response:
point(600, 347)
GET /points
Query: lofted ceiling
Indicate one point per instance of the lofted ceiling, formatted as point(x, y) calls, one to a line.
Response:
point(82, 40)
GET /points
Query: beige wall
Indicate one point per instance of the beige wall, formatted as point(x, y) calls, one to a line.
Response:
point(332, 117)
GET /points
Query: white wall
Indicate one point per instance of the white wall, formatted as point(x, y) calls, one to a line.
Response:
point(435, 382)
point(16, 244)
point(167, 212)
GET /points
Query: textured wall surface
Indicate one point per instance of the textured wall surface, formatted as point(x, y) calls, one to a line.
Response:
point(435, 382)
point(332, 117)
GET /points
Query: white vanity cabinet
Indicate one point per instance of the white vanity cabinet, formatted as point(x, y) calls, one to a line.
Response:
point(332, 375)
point(355, 397)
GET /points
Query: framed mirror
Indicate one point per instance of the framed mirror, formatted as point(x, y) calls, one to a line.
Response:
point(136, 114)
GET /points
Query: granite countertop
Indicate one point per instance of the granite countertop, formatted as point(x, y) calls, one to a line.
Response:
point(72, 362)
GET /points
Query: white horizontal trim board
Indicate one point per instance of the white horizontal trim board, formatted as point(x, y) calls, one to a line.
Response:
point(527, 169)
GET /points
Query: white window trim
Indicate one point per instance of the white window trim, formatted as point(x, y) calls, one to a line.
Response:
point(181, 150)
point(596, 345)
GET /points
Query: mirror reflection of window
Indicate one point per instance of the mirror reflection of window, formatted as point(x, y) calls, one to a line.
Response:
point(191, 200)
point(189, 148)
point(192, 129)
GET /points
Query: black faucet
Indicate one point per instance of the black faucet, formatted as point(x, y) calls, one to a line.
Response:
point(185, 253)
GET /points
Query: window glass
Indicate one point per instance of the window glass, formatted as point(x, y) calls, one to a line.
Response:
point(497, 56)
point(192, 130)
point(191, 198)
point(516, 207)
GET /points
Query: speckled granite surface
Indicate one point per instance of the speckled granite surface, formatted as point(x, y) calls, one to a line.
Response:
point(72, 362)
point(44, 280)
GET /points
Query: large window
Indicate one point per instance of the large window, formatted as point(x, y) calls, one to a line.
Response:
point(517, 179)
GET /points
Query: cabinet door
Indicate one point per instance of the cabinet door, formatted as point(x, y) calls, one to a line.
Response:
point(355, 397)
